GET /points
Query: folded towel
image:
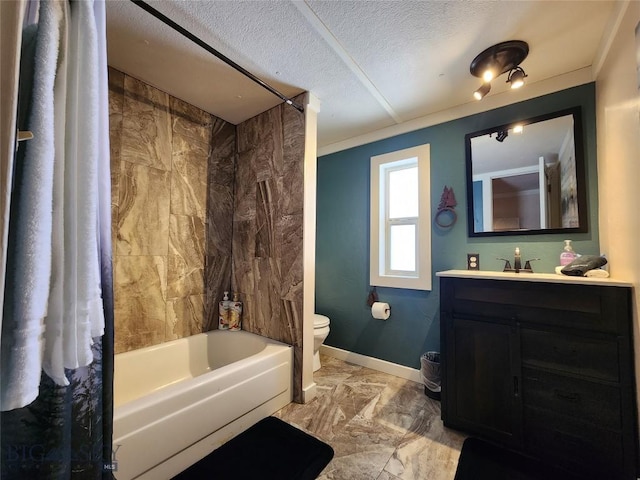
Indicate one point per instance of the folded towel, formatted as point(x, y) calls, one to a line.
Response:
point(52, 362)
point(75, 309)
point(21, 367)
point(83, 156)
point(54, 305)
point(22, 344)
point(597, 273)
point(583, 264)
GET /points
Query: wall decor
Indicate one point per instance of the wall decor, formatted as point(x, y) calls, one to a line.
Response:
point(446, 215)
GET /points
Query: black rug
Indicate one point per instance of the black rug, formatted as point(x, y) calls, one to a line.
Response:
point(480, 460)
point(270, 450)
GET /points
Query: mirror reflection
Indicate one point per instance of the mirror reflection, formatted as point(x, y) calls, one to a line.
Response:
point(527, 177)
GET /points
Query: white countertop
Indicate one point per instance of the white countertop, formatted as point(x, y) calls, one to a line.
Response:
point(533, 277)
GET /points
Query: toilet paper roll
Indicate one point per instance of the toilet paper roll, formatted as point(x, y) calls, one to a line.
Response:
point(381, 310)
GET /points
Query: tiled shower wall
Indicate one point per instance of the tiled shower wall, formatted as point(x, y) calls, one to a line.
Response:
point(162, 158)
point(268, 227)
point(176, 218)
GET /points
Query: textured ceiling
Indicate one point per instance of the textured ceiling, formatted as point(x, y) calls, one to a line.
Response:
point(372, 64)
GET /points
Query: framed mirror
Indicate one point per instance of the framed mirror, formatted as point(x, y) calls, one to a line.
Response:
point(527, 177)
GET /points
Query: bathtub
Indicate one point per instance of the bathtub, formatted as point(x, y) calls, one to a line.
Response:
point(176, 402)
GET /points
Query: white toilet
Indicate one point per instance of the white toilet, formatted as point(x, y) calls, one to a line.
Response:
point(320, 332)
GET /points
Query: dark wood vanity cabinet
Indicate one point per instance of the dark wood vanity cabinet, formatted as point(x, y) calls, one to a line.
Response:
point(542, 367)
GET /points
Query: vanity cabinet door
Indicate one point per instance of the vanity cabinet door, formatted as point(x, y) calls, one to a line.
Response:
point(482, 382)
point(587, 449)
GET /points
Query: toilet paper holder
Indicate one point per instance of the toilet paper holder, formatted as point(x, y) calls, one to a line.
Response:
point(372, 299)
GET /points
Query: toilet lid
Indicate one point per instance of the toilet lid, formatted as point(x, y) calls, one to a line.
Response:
point(320, 320)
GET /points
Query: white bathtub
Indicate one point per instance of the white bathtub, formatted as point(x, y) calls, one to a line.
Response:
point(178, 401)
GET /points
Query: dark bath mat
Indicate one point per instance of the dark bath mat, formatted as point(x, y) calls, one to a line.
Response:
point(480, 460)
point(270, 450)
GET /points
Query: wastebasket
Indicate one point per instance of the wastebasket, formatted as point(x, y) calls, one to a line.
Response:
point(430, 373)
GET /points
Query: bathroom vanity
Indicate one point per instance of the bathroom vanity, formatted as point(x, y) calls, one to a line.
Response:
point(543, 364)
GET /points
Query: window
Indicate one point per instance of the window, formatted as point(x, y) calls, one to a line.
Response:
point(400, 236)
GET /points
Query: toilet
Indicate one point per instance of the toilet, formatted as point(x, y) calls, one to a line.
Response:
point(320, 332)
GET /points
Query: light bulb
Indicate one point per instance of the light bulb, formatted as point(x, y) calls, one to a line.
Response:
point(516, 77)
point(482, 91)
point(487, 76)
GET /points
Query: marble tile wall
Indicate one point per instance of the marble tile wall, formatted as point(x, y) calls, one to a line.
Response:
point(268, 227)
point(200, 205)
point(219, 218)
point(162, 160)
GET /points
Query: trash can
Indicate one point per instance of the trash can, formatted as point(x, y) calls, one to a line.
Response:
point(430, 373)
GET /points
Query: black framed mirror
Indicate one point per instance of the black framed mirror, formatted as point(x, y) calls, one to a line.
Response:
point(527, 177)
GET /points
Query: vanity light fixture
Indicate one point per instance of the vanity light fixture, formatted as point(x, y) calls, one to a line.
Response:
point(498, 59)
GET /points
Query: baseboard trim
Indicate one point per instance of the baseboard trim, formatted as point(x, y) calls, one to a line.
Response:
point(309, 393)
point(401, 371)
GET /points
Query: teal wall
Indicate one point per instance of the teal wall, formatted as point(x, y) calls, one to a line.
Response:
point(342, 248)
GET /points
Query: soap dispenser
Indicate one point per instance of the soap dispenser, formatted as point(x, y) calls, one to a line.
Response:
point(568, 255)
point(223, 312)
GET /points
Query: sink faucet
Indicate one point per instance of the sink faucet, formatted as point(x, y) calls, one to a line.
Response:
point(517, 263)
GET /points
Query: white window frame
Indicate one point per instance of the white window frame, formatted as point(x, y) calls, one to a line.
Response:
point(380, 273)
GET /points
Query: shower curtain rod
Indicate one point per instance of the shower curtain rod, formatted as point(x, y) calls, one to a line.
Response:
point(166, 20)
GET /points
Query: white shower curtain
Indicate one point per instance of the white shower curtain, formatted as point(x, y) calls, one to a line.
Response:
point(53, 306)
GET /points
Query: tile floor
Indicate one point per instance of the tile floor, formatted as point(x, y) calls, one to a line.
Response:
point(381, 427)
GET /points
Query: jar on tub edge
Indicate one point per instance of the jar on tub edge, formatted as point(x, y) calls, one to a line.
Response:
point(224, 312)
point(235, 317)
